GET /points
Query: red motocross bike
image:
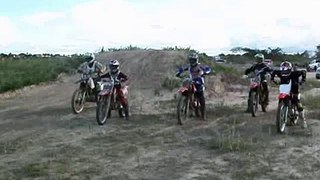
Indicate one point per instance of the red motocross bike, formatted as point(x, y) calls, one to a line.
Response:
point(108, 100)
point(257, 94)
point(287, 113)
point(188, 101)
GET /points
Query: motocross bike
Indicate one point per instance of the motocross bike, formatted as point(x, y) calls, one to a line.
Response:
point(287, 113)
point(188, 100)
point(257, 94)
point(85, 93)
point(108, 100)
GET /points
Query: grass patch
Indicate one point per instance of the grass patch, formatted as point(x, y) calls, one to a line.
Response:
point(46, 169)
point(312, 102)
point(15, 74)
point(222, 110)
point(171, 83)
point(18, 144)
point(313, 115)
point(229, 143)
point(310, 84)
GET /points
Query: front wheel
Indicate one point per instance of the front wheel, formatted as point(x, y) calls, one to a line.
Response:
point(182, 108)
point(253, 103)
point(282, 115)
point(103, 108)
point(77, 101)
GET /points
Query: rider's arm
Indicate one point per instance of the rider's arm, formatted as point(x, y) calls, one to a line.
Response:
point(268, 69)
point(106, 75)
point(206, 69)
point(247, 71)
point(180, 71)
point(274, 73)
point(123, 77)
point(80, 68)
point(100, 68)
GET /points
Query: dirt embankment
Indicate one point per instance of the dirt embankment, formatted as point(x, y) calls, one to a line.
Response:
point(40, 137)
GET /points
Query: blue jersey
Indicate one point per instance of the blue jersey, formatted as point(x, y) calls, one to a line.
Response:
point(196, 73)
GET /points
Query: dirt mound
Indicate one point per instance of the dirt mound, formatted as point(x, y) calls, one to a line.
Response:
point(146, 67)
point(147, 70)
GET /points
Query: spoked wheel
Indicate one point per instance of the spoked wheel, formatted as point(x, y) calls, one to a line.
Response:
point(77, 101)
point(103, 108)
point(282, 115)
point(253, 103)
point(182, 108)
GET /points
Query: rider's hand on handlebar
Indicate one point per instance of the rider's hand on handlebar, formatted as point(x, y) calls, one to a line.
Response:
point(244, 76)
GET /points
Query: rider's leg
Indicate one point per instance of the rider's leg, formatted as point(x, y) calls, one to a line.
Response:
point(124, 101)
point(301, 112)
point(248, 104)
point(266, 90)
point(295, 91)
point(200, 95)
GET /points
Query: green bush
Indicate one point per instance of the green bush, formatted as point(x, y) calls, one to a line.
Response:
point(171, 83)
point(15, 74)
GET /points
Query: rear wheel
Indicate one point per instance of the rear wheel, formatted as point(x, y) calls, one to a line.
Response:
point(77, 101)
point(182, 108)
point(282, 115)
point(103, 108)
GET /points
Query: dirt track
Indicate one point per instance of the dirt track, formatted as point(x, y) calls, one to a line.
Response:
point(41, 138)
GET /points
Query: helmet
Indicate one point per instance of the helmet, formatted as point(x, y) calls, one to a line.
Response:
point(193, 59)
point(114, 66)
point(89, 57)
point(286, 68)
point(259, 57)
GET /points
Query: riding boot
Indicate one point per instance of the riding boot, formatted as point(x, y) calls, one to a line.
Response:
point(303, 119)
point(126, 111)
point(267, 98)
point(248, 110)
point(203, 108)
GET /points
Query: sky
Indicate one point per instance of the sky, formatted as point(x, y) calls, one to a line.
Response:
point(210, 26)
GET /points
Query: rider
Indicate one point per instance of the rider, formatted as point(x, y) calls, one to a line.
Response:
point(92, 67)
point(287, 73)
point(260, 66)
point(118, 77)
point(197, 72)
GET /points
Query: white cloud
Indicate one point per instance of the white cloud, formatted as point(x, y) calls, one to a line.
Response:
point(206, 25)
point(7, 31)
point(43, 18)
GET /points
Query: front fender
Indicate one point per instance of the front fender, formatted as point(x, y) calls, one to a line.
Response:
point(104, 92)
point(283, 96)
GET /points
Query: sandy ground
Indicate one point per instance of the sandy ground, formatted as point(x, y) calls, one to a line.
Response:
point(40, 138)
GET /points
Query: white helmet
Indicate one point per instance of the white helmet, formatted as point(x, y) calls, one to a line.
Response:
point(286, 68)
point(114, 66)
point(89, 57)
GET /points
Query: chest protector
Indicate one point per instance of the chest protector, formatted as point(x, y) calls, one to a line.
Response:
point(195, 72)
